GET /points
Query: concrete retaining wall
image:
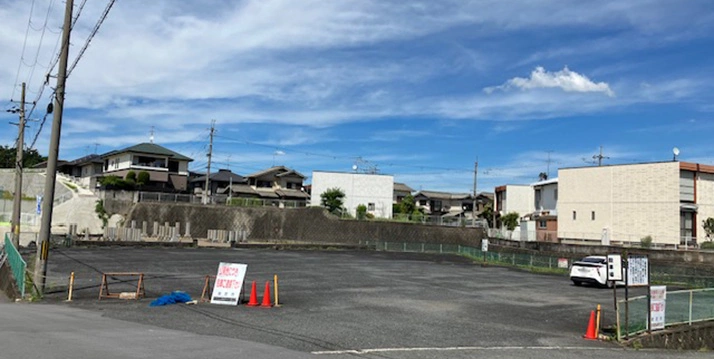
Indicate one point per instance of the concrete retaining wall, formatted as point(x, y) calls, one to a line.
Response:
point(266, 224)
point(699, 336)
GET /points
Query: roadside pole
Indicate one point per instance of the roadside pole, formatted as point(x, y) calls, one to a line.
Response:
point(17, 199)
point(51, 171)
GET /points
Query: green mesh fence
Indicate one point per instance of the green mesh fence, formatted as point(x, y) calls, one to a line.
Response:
point(682, 307)
point(533, 261)
point(17, 264)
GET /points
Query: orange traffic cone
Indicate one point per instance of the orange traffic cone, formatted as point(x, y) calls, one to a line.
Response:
point(253, 296)
point(266, 296)
point(591, 334)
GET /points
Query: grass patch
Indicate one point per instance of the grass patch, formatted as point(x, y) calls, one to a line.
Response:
point(71, 186)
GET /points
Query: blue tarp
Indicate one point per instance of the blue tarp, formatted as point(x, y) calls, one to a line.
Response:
point(173, 298)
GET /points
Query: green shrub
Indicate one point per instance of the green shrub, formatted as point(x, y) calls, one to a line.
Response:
point(646, 242)
point(144, 178)
point(369, 216)
point(246, 202)
point(130, 176)
point(707, 245)
point(361, 212)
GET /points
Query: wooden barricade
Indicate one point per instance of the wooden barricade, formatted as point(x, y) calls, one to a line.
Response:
point(207, 289)
point(104, 288)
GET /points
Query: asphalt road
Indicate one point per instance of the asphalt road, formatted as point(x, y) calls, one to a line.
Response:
point(365, 304)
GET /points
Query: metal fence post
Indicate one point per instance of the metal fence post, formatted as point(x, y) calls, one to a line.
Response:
point(691, 301)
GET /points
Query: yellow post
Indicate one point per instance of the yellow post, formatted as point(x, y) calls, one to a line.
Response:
point(275, 281)
point(597, 322)
point(71, 287)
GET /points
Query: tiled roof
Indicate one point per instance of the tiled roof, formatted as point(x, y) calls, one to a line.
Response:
point(284, 171)
point(443, 195)
point(222, 176)
point(151, 149)
point(401, 187)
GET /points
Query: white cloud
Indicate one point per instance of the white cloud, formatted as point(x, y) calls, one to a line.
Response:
point(565, 79)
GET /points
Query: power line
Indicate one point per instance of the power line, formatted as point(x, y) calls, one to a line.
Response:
point(91, 35)
point(54, 61)
point(24, 45)
point(39, 46)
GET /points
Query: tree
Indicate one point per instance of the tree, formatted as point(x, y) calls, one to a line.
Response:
point(332, 199)
point(130, 176)
point(510, 220)
point(144, 178)
point(487, 214)
point(408, 205)
point(708, 225)
point(30, 157)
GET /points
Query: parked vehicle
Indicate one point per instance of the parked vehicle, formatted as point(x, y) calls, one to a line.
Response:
point(592, 270)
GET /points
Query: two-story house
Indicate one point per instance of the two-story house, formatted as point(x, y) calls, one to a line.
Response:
point(546, 210)
point(279, 185)
point(218, 182)
point(168, 170)
point(375, 191)
point(445, 203)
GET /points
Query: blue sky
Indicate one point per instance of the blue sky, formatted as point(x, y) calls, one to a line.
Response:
point(419, 89)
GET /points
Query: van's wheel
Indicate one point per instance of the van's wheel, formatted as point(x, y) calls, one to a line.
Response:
point(577, 283)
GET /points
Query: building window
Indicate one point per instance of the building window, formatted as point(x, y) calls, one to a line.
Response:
point(542, 224)
point(575, 215)
point(555, 194)
point(537, 199)
point(370, 206)
point(422, 202)
point(592, 215)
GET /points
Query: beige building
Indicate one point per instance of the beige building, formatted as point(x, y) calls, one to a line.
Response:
point(624, 203)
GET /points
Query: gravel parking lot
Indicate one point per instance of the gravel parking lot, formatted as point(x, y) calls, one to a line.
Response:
point(345, 300)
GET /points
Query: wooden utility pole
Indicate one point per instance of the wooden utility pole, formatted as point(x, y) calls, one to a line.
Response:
point(208, 169)
point(43, 247)
point(17, 199)
point(473, 210)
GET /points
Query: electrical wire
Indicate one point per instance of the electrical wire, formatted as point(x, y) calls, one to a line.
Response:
point(24, 45)
point(39, 47)
point(55, 60)
point(91, 36)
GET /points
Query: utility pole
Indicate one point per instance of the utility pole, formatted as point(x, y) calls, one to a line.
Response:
point(17, 199)
point(600, 157)
point(230, 181)
point(473, 210)
point(208, 169)
point(43, 247)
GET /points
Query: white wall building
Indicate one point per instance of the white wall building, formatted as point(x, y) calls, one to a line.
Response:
point(623, 203)
point(514, 198)
point(372, 190)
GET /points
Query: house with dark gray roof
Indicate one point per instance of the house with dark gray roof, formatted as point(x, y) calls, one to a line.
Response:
point(278, 185)
point(168, 170)
point(401, 190)
point(218, 182)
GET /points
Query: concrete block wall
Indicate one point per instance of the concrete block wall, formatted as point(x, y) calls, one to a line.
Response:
point(631, 201)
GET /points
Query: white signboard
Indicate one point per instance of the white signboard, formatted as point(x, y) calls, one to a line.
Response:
point(658, 301)
point(563, 263)
point(484, 245)
point(229, 283)
point(614, 267)
point(637, 271)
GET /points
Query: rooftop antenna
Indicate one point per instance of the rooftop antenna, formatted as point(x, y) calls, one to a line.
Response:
point(675, 152)
point(151, 138)
point(600, 157)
